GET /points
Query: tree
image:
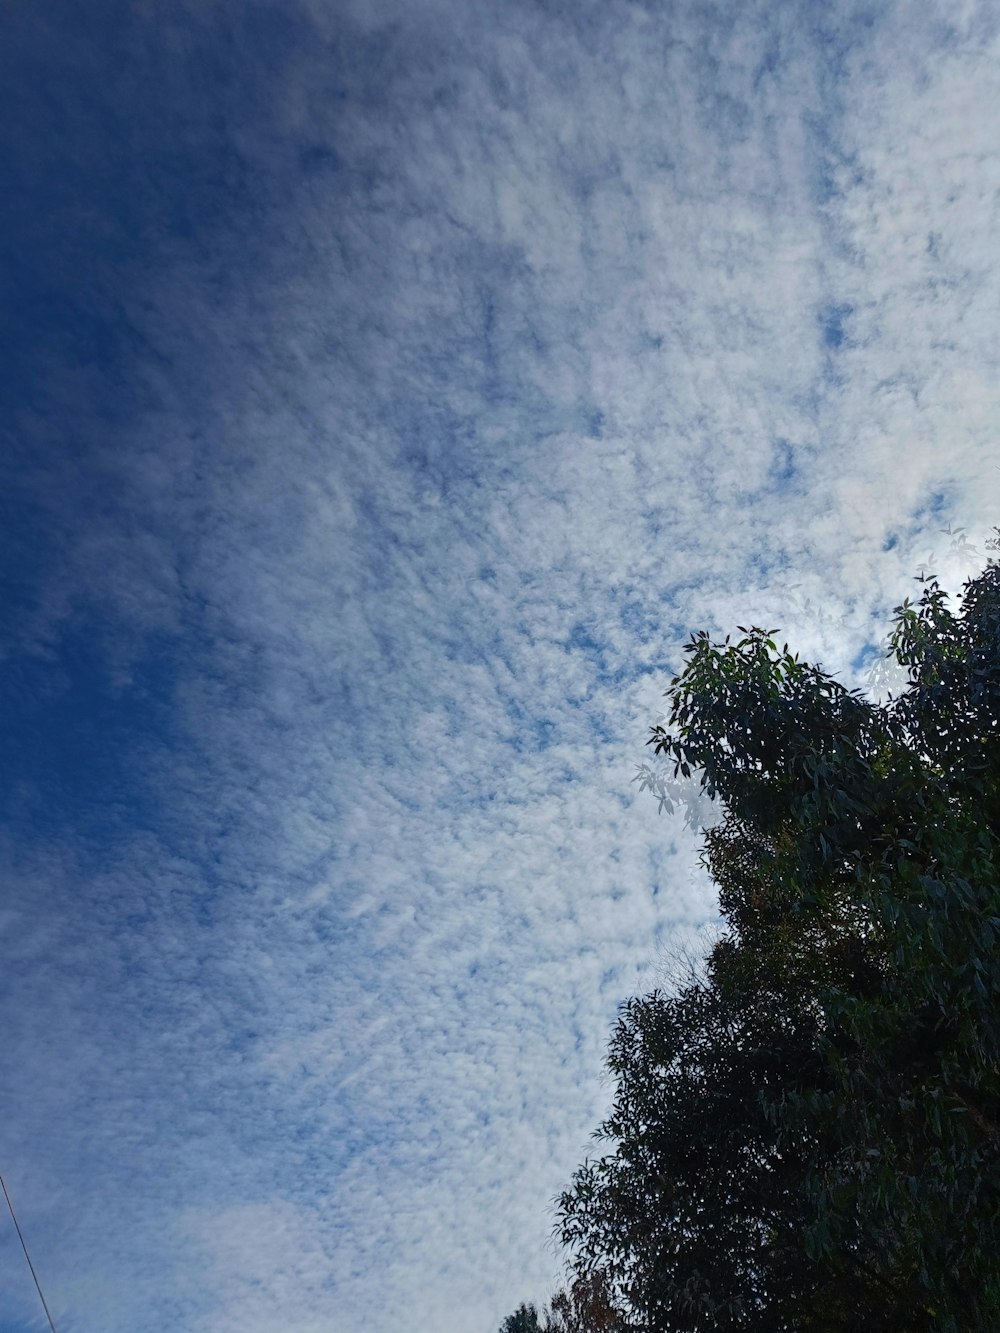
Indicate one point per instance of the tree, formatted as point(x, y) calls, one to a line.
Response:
point(585, 1308)
point(523, 1320)
point(807, 1136)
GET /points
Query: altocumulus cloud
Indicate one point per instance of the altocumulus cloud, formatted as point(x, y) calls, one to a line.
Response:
point(388, 391)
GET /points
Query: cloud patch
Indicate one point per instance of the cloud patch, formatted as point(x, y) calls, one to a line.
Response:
point(393, 391)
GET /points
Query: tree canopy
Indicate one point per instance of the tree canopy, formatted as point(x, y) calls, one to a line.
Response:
point(586, 1307)
point(805, 1136)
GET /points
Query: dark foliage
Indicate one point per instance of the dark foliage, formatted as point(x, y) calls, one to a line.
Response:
point(523, 1320)
point(585, 1308)
point(806, 1136)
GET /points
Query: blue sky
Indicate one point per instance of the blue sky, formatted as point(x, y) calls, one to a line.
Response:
point(387, 392)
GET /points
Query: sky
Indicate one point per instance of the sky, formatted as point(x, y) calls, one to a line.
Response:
point(388, 390)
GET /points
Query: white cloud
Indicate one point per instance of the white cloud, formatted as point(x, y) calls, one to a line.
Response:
point(607, 328)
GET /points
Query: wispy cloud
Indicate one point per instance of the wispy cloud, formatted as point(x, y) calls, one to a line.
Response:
point(393, 389)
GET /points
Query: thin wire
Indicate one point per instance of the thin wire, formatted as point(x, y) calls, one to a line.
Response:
point(38, 1285)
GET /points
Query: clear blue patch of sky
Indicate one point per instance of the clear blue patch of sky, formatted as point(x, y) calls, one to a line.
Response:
point(124, 160)
point(783, 468)
point(935, 506)
point(865, 656)
point(833, 321)
point(124, 157)
point(67, 756)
